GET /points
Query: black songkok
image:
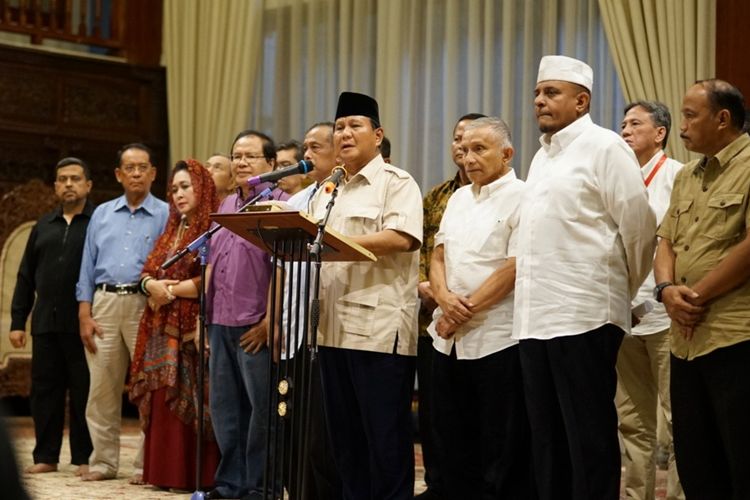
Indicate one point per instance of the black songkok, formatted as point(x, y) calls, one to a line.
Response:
point(352, 103)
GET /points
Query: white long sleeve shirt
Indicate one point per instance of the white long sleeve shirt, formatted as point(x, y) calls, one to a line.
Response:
point(659, 192)
point(478, 235)
point(586, 235)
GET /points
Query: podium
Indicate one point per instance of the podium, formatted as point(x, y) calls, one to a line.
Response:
point(286, 235)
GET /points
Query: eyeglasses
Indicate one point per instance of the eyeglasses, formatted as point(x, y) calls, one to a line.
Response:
point(247, 156)
point(130, 168)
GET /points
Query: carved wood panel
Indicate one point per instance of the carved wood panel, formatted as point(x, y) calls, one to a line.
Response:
point(55, 105)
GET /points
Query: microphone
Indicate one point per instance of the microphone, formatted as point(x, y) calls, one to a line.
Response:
point(302, 167)
point(335, 179)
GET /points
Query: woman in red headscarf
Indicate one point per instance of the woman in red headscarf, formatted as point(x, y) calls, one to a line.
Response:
point(164, 373)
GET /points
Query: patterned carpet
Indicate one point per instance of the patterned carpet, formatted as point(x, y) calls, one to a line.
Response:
point(63, 485)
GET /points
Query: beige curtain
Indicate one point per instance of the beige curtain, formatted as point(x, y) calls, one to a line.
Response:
point(212, 52)
point(427, 62)
point(660, 48)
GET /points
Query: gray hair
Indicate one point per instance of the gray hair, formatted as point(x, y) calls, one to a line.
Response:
point(499, 128)
point(659, 113)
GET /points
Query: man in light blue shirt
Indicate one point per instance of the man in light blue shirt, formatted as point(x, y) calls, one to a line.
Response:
point(120, 236)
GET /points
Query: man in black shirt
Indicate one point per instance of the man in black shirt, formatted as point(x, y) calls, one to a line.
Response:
point(49, 268)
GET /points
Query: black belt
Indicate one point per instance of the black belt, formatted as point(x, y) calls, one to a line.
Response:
point(124, 289)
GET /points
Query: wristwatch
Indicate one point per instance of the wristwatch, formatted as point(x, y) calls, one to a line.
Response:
point(658, 289)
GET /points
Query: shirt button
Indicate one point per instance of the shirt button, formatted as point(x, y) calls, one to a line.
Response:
point(687, 247)
point(683, 279)
point(722, 203)
point(705, 188)
point(696, 219)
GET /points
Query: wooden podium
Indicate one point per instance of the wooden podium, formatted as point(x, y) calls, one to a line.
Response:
point(294, 311)
point(263, 226)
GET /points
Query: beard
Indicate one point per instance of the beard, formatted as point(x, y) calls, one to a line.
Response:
point(547, 129)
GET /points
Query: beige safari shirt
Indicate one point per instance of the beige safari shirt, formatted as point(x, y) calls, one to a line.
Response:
point(707, 216)
point(372, 306)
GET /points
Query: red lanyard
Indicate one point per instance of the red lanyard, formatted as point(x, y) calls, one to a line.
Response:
point(656, 169)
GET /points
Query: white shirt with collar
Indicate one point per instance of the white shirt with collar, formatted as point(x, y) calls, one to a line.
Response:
point(299, 201)
point(659, 193)
point(478, 233)
point(586, 235)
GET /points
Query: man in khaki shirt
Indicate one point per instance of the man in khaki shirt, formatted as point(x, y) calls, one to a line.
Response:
point(368, 321)
point(702, 277)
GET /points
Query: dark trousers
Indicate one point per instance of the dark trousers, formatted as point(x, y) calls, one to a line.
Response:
point(322, 480)
point(569, 384)
point(711, 423)
point(367, 398)
point(58, 367)
point(481, 427)
point(425, 356)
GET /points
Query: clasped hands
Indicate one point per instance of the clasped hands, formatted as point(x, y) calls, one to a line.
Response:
point(159, 292)
point(684, 306)
point(456, 309)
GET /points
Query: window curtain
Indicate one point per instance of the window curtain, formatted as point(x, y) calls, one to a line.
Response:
point(427, 62)
point(279, 65)
point(212, 52)
point(660, 48)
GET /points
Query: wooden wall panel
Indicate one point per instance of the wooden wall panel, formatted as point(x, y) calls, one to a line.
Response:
point(732, 64)
point(54, 105)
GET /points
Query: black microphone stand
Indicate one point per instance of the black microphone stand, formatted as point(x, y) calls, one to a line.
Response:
point(201, 244)
point(314, 250)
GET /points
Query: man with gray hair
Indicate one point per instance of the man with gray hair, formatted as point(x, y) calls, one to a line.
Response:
point(476, 369)
point(643, 360)
point(585, 245)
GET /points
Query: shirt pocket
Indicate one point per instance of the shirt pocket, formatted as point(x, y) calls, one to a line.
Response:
point(563, 198)
point(725, 216)
point(681, 215)
point(356, 313)
point(362, 220)
point(495, 243)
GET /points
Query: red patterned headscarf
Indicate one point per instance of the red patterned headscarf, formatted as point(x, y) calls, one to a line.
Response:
point(165, 355)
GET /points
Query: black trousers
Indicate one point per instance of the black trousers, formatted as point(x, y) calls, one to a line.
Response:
point(58, 366)
point(367, 399)
point(711, 423)
point(425, 356)
point(481, 427)
point(570, 384)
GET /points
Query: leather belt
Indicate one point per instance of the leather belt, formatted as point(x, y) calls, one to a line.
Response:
point(123, 289)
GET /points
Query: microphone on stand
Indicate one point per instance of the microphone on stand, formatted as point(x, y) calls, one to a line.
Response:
point(334, 180)
point(302, 167)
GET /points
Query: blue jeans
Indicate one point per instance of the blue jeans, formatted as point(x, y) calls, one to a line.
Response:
point(239, 410)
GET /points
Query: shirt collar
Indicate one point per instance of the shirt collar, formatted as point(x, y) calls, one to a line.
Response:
point(456, 182)
point(562, 138)
point(254, 191)
point(649, 166)
point(149, 204)
point(369, 171)
point(490, 189)
point(88, 209)
point(723, 157)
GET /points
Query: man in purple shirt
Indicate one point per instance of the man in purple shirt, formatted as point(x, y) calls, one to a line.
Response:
point(238, 289)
